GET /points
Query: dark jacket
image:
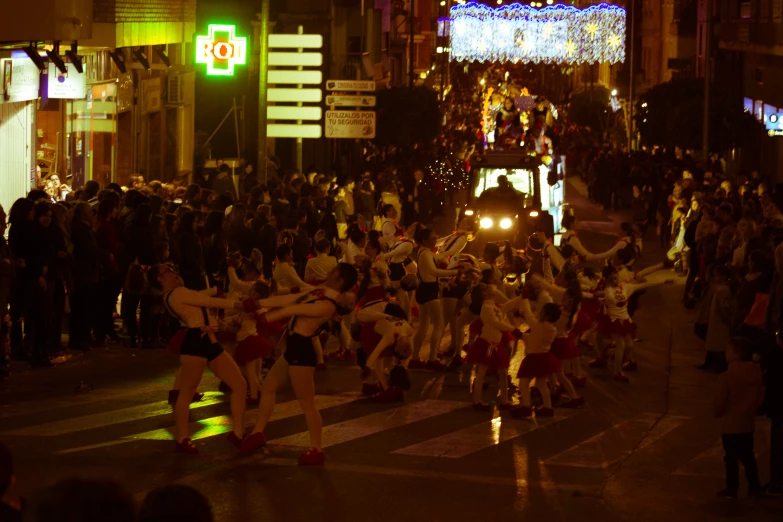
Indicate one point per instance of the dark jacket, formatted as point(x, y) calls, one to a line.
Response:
point(88, 256)
point(191, 265)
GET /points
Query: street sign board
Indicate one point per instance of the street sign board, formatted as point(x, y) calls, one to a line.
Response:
point(350, 101)
point(294, 41)
point(293, 130)
point(350, 124)
point(294, 95)
point(296, 59)
point(350, 85)
point(292, 112)
point(300, 77)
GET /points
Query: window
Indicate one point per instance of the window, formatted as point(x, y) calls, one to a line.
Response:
point(758, 74)
point(745, 9)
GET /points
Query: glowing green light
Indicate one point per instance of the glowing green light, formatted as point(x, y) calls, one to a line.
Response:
point(221, 50)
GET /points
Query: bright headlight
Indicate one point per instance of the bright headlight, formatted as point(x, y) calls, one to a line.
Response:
point(505, 223)
point(534, 213)
point(486, 222)
point(468, 212)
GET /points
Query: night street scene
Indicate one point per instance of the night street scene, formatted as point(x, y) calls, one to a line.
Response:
point(391, 260)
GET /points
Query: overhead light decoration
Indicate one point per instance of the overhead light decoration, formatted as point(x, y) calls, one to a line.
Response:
point(555, 34)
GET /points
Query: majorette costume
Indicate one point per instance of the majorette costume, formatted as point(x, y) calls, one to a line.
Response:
point(539, 362)
point(491, 348)
point(616, 321)
point(398, 258)
point(299, 350)
point(197, 333)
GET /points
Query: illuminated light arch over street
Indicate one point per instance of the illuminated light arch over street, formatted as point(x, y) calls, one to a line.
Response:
point(557, 34)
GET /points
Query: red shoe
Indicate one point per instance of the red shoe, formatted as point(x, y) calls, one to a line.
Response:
point(598, 363)
point(186, 446)
point(521, 412)
point(435, 366)
point(579, 382)
point(234, 440)
point(253, 402)
point(504, 406)
point(312, 457)
point(576, 402)
point(368, 390)
point(629, 366)
point(416, 364)
point(619, 377)
point(251, 443)
point(545, 412)
point(480, 406)
point(320, 366)
point(390, 394)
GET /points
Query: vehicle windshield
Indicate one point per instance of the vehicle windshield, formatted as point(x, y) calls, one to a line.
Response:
point(493, 191)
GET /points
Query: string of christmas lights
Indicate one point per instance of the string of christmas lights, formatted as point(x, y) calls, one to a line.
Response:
point(557, 34)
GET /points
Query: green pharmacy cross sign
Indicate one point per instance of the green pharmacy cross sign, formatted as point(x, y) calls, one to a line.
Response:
point(221, 50)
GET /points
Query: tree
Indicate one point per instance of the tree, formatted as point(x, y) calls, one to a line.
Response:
point(407, 117)
point(670, 115)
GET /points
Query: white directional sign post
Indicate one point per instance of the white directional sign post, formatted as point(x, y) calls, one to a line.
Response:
point(351, 124)
point(288, 121)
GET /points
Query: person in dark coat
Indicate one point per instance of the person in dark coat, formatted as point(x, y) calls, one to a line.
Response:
point(191, 254)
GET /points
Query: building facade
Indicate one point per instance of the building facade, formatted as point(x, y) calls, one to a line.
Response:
point(127, 111)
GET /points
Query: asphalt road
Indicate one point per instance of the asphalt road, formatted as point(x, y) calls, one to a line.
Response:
point(647, 450)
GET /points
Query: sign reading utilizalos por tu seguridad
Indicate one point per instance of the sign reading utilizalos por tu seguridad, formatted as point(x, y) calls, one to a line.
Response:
point(350, 124)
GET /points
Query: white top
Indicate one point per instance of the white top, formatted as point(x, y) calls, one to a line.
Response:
point(318, 267)
point(428, 267)
point(493, 327)
point(399, 252)
point(454, 244)
point(388, 230)
point(570, 238)
point(308, 310)
point(287, 278)
point(616, 299)
point(350, 251)
point(187, 304)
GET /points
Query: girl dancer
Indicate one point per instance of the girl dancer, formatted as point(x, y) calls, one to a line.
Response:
point(490, 351)
point(198, 348)
point(375, 273)
point(389, 229)
point(319, 266)
point(398, 257)
point(627, 240)
point(539, 363)
point(430, 307)
point(385, 335)
point(563, 346)
point(309, 312)
point(617, 324)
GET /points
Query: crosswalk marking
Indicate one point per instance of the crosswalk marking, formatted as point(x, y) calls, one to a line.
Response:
point(617, 442)
point(463, 442)
point(108, 418)
point(222, 424)
point(373, 423)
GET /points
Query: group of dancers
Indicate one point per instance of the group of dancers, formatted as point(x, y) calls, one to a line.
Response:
point(367, 301)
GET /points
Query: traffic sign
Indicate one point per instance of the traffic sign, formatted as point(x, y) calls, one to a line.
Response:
point(350, 85)
point(350, 124)
point(350, 101)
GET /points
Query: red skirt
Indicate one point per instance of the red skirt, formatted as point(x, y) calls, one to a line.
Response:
point(369, 340)
point(267, 330)
point(587, 316)
point(494, 356)
point(252, 348)
point(374, 293)
point(476, 327)
point(538, 365)
point(616, 328)
point(564, 349)
point(175, 343)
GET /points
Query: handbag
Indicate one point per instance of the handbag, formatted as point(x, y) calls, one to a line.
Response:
point(758, 312)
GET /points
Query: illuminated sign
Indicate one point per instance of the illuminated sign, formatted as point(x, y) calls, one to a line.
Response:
point(221, 50)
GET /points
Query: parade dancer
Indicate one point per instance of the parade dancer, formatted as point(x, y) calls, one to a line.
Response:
point(569, 237)
point(309, 312)
point(198, 348)
point(617, 324)
point(427, 296)
point(398, 258)
point(490, 351)
point(390, 232)
point(539, 363)
point(318, 267)
point(563, 346)
point(386, 336)
point(627, 240)
point(374, 272)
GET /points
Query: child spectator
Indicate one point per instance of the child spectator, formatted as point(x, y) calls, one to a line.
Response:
point(319, 266)
point(739, 395)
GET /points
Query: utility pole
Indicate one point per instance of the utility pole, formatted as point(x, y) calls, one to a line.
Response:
point(633, 77)
point(263, 62)
point(411, 77)
point(705, 133)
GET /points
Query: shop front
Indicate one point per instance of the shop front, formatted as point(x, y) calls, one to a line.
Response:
point(17, 126)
